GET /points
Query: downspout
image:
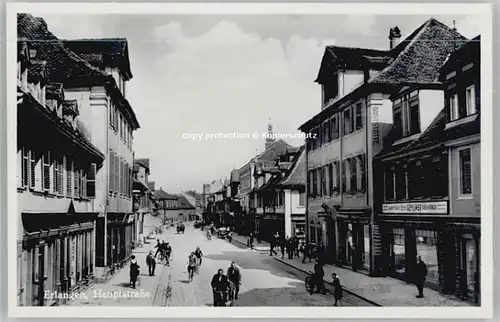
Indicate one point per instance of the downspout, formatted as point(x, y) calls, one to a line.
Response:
point(369, 158)
point(106, 192)
point(306, 215)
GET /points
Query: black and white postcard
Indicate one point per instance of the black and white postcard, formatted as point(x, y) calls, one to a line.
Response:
point(250, 160)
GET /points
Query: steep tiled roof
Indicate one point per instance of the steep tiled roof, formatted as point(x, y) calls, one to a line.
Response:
point(184, 203)
point(63, 65)
point(112, 52)
point(297, 175)
point(421, 60)
point(162, 195)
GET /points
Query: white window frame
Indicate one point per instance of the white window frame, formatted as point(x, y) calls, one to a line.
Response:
point(462, 195)
point(470, 100)
point(454, 111)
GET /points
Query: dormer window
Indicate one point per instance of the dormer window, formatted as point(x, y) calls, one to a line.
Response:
point(407, 115)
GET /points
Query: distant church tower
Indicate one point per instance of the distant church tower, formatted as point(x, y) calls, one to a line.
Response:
point(269, 139)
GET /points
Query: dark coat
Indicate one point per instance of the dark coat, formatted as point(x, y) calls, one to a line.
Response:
point(220, 285)
point(234, 275)
point(318, 270)
point(420, 272)
point(134, 271)
point(337, 288)
point(150, 260)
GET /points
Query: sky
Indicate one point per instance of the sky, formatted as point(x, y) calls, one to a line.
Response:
point(208, 74)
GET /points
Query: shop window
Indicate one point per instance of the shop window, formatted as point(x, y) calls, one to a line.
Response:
point(426, 248)
point(398, 251)
point(465, 172)
point(366, 247)
point(312, 234)
point(470, 263)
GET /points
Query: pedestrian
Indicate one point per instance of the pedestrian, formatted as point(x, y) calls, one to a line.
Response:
point(307, 252)
point(296, 246)
point(289, 247)
point(134, 271)
point(251, 241)
point(318, 276)
point(234, 276)
point(151, 262)
point(272, 244)
point(321, 252)
point(283, 247)
point(230, 236)
point(337, 289)
point(420, 272)
point(220, 285)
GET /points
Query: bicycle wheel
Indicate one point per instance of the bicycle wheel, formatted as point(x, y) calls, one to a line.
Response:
point(309, 284)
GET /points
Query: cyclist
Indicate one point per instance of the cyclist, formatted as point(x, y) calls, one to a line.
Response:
point(220, 286)
point(199, 255)
point(192, 261)
point(167, 252)
point(234, 276)
point(160, 247)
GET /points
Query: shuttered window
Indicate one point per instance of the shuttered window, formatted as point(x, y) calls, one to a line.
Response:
point(344, 176)
point(25, 167)
point(91, 180)
point(465, 172)
point(46, 171)
point(32, 169)
point(361, 172)
point(353, 175)
point(55, 176)
point(69, 177)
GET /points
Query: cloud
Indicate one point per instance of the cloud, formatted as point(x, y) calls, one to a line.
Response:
point(223, 81)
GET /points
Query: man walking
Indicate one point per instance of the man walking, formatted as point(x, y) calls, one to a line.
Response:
point(318, 276)
point(337, 289)
point(151, 262)
point(251, 241)
point(419, 276)
point(289, 247)
point(272, 244)
point(234, 276)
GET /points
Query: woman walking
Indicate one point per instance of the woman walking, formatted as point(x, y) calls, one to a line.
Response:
point(134, 271)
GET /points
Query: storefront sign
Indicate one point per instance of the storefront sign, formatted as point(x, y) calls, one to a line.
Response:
point(440, 207)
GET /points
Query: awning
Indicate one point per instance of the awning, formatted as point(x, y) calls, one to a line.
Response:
point(138, 185)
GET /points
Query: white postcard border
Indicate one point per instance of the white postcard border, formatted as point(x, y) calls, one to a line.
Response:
point(482, 9)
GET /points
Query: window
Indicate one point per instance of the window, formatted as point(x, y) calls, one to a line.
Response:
point(91, 174)
point(315, 183)
point(401, 182)
point(320, 136)
point(56, 178)
point(336, 169)
point(353, 175)
point(302, 199)
point(46, 171)
point(454, 107)
point(326, 132)
point(348, 121)
point(311, 183)
point(389, 184)
point(323, 181)
point(25, 166)
point(344, 176)
point(78, 183)
point(407, 115)
point(69, 175)
point(330, 179)
point(361, 174)
point(465, 172)
point(111, 160)
point(359, 116)
point(111, 115)
point(330, 89)
point(32, 169)
point(334, 127)
point(470, 100)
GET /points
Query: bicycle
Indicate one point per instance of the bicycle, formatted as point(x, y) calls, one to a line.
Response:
point(221, 298)
point(310, 283)
point(191, 271)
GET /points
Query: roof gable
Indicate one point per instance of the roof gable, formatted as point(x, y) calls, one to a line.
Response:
point(297, 175)
point(421, 60)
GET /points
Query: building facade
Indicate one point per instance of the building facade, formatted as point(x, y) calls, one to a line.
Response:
point(353, 126)
point(56, 177)
point(142, 196)
point(280, 193)
point(173, 208)
point(431, 201)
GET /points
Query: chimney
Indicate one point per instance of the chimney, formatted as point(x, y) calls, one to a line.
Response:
point(394, 37)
